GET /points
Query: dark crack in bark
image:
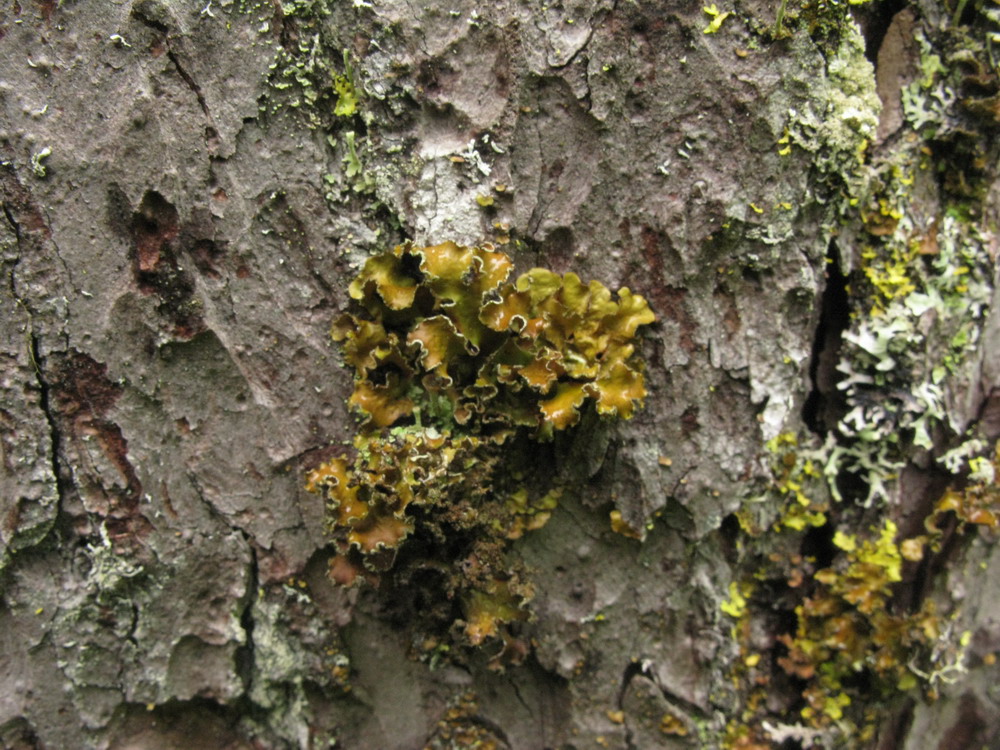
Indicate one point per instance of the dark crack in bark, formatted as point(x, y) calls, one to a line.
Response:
point(631, 670)
point(156, 17)
point(55, 436)
point(824, 406)
point(245, 656)
point(644, 668)
point(195, 88)
point(35, 358)
point(874, 21)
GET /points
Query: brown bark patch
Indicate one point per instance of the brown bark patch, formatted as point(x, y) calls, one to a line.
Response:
point(201, 725)
point(83, 396)
point(81, 387)
point(689, 421)
point(206, 255)
point(726, 303)
point(668, 301)
point(18, 203)
point(45, 8)
point(651, 252)
point(154, 228)
point(990, 419)
point(969, 729)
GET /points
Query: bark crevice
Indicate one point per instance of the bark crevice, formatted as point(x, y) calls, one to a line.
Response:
point(55, 434)
point(245, 656)
point(35, 357)
point(824, 406)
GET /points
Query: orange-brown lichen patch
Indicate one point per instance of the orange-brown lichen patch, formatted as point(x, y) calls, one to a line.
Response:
point(439, 344)
point(331, 474)
point(379, 530)
point(510, 311)
point(384, 404)
point(563, 409)
point(542, 372)
point(486, 611)
point(369, 342)
point(979, 501)
point(387, 276)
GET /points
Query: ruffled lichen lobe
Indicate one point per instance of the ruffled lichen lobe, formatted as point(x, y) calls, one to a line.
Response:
point(455, 366)
point(443, 321)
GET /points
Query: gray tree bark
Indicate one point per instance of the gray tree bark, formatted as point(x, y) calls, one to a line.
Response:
point(189, 188)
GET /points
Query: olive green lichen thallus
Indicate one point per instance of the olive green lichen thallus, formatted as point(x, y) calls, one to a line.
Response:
point(453, 365)
point(444, 325)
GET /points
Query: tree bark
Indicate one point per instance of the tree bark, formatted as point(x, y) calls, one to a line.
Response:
point(807, 199)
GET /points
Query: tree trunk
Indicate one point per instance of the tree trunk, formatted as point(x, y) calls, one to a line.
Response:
point(793, 541)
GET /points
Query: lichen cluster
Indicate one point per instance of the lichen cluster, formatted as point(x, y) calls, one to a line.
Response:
point(460, 727)
point(483, 354)
point(854, 642)
point(833, 575)
point(975, 500)
point(847, 630)
point(455, 368)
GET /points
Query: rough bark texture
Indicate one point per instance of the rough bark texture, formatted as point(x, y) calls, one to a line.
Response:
point(188, 189)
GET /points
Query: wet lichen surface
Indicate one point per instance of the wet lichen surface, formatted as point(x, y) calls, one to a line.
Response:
point(458, 373)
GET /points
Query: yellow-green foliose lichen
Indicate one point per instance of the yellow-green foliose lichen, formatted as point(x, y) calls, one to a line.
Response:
point(455, 366)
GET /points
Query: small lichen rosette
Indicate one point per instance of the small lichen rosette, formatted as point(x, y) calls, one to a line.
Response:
point(453, 367)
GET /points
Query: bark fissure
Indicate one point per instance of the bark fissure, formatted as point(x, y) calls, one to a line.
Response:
point(874, 21)
point(517, 692)
point(421, 40)
point(673, 698)
point(133, 624)
point(144, 17)
point(537, 212)
point(631, 670)
point(55, 435)
point(19, 198)
point(216, 514)
point(32, 342)
point(191, 84)
point(572, 58)
point(245, 655)
point(493, 728)
point(822, 408)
